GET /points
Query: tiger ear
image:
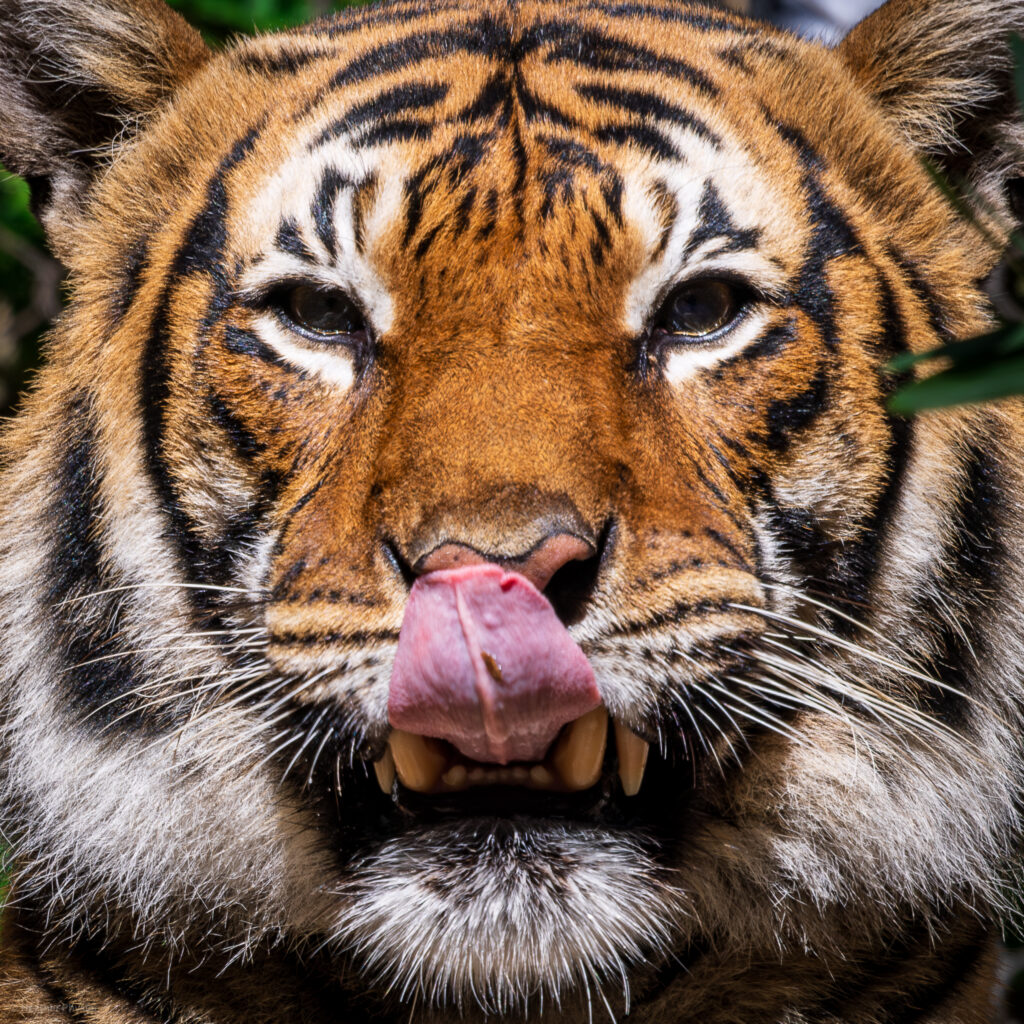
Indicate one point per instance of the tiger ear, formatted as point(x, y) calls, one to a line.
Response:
point(77, 75)
point(942, 70)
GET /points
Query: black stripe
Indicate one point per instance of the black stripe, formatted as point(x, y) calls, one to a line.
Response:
point(868, 988)
point(324, 201)
point(90, 629)
point(704, 21)
point(643, 136)
point(643, 103)
point(803, 540)
point(953, 967)
point(535, 109)
point(857, 562)
point(736, 54)
point(769, 345)
point(201, 251)
point(247, 343)
point(291, 241)
point(402, 129)
point(832, 236)
point(788, 416)
point(589, 48)
point(283, 61)
point(360, 198)
point(518, 184)
point(573, 153)
point(491, 204)
point(132, 271)
point(427, 241)
point(937, 314)
point(715, 221)
point(242, 440)
point(671, 616)
point(494, 98)
point(482, 36)
point(970, 574)
point(356, 19)
point(391, 103)
point(75, 513)
point(358, 638)
point(59, 995)
point(464, 211)
point(611, 191)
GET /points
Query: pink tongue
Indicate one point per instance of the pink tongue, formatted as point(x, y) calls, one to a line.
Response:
point(484, 662)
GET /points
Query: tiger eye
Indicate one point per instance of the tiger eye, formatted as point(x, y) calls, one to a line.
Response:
point(699, 308)
point(322, 311)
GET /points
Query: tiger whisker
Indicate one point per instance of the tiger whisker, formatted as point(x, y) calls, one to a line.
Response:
point(867, 654)
point(167, 649)
point(150, 585)
point(316, 756)
point(763, 717)
point(696, 687)
point(310, 733)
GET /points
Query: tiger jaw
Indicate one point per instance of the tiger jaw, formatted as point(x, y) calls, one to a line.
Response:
point(574, 763)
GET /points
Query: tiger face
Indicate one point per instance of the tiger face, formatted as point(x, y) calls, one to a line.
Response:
point(458, 559)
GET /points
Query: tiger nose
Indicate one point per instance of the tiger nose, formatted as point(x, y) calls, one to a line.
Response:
point(538, 565)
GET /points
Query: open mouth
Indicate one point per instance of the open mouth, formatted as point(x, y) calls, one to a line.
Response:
point(573, 763)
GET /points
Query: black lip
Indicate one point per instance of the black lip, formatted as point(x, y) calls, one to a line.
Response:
point(354, 815)
point(503, 802)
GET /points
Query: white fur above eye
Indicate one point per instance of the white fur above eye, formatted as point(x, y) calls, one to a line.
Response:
point(683, 360)
point(333, 362)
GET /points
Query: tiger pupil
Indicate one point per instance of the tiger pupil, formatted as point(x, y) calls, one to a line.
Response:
point(323, 312)
point(699, 308)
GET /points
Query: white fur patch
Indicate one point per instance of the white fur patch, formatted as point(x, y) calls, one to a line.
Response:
point(332, 363)
point(685, 360)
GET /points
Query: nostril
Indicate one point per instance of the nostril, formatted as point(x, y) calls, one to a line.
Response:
point(538, 565)
point(571, 589)
point(549, 557)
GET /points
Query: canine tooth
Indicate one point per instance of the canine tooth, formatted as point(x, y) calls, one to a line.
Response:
point(385, 771)
point(457, 777)
point(418, 761)
point(580, 751)
point(632, 759)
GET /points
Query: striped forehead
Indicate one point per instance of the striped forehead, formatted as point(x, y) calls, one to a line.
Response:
point(533, 110)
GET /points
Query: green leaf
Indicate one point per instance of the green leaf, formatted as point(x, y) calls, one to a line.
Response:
point(1017, 49)
point(984, 383)
point(973, 351)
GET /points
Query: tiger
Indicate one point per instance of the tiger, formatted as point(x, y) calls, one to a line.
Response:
point(458, 561)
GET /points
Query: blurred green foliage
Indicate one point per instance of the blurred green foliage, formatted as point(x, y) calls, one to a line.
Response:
point(28, 286)
point(220, 18)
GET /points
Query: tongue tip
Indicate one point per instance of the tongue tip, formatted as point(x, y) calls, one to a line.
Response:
point(484, 662)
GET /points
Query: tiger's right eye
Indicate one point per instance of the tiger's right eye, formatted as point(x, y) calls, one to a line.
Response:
point(323, 313)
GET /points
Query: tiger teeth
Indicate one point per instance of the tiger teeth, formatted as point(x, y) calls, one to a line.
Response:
point(633, 753)
point(421, 764)
point(384, 769)
point(579, 752)
point(418, 761)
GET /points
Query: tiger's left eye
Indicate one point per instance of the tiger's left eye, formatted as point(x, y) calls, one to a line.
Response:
point(319, 311)
point(699, 308)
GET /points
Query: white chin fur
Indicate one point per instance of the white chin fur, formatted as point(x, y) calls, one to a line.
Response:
point(488, 915)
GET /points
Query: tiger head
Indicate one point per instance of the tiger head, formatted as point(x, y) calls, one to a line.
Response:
point(458, 537)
